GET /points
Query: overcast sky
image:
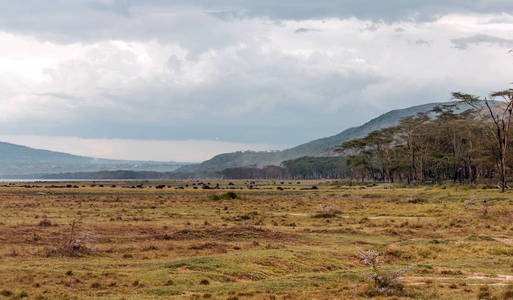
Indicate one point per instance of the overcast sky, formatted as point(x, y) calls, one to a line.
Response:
point(197, 78)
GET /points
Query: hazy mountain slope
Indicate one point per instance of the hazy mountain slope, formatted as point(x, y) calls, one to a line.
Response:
point(106, 175)
point(21, 160)
point(318, 147)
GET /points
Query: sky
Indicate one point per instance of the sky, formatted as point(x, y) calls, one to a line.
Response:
point(186, 80)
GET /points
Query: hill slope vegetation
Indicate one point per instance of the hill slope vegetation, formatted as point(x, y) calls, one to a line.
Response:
point(319, 147)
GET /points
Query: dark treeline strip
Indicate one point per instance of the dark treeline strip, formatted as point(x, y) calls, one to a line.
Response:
point(301, 168)
point(444, 144)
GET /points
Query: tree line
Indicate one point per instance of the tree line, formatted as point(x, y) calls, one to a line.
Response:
point(301, 168)
point(466, 141)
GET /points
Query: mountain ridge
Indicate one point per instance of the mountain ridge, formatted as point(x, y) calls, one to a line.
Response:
point(23, 160)
point(319, 147)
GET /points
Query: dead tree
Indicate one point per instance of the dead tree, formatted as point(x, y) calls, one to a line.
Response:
point(500, 125)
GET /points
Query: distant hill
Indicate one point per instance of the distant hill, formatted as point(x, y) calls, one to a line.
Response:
point(24, 162)
point(320, 147)
point(21, 160)
point(108, 175)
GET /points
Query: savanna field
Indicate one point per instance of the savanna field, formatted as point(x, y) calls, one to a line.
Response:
point(254, 240)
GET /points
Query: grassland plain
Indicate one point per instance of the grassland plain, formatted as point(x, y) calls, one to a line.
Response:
point(265, 240)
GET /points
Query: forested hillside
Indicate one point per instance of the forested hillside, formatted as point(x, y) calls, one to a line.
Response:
point(320, 147)
point(469, 146)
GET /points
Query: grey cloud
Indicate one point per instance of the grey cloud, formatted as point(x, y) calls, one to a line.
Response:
point(86, 20)
point(120, 7)
point(368, 9)
point(227, 15)
point(91, 21)
point(421, 42)
point(250, 96)
point(305, 30)
point(267, 95)
point(464, 43)
point(58, 96)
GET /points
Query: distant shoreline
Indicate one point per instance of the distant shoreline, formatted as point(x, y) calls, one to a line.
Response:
point(79, 180)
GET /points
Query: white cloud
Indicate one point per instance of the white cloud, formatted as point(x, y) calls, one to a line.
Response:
point(167, 74)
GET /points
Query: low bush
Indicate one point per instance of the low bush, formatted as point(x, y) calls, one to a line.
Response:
point(381, 282)
point(328, 211)
point(225, 196)
point(71, 247)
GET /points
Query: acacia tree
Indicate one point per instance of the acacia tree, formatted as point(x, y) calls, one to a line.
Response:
point(436, 145)
point(500, 113)
point(358, 158)
point(380, 143)
point(409, 131)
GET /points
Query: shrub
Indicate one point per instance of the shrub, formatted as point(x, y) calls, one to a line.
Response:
point(204, 282)
point(95, 285)
point(416, 200)
point(45, 223)
point(328, 211)
point(484, 293)
point(382, 282)
point(6, 293)
point(71, 247)
point(508, 292)
point(169, 282)
point(225, 196)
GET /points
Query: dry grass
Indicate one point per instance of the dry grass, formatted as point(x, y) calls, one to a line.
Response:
point(136, 241)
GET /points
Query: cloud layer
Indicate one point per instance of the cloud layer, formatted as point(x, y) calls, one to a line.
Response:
point(250, 72)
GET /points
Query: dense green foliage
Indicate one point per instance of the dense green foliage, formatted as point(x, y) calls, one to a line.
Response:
point(317, 167)
point(301, 168)
point(430, 147)
point(269, 172)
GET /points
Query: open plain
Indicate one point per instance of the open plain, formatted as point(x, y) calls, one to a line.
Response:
point(252, 240)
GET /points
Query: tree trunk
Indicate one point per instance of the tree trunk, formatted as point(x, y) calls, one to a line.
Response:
point(503, 170)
